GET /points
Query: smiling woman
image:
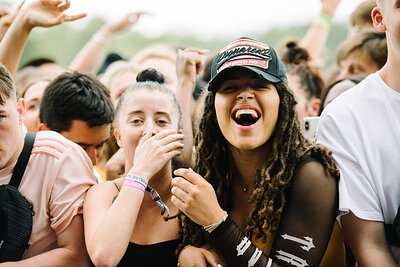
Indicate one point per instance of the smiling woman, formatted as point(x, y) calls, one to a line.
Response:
point(265, 187)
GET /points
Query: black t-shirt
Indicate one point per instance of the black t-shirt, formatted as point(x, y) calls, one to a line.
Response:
point(159, 254)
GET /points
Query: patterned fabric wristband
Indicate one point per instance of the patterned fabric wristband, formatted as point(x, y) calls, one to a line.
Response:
point(135, 181)
point(134, 184)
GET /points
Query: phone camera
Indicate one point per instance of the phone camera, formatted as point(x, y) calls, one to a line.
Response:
point(307, 125)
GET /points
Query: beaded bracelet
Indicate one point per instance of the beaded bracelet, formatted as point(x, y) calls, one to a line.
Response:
point(214, 225)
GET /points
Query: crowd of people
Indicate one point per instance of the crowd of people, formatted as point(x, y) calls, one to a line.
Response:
point(167, 159)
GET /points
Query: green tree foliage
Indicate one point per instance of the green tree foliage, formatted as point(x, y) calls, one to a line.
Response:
point(63, 42)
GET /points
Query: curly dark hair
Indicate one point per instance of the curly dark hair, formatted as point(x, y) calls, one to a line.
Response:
point(287, 146)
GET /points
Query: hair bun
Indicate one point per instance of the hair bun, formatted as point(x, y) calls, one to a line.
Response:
point(294, 54)
point(150, 75)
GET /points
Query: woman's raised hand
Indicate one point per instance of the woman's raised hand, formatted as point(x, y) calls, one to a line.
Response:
point(47, 13)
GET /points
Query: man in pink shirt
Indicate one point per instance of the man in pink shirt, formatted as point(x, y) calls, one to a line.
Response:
point(55, 181)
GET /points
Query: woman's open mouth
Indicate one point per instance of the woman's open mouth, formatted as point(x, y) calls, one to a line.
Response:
point(246, 117)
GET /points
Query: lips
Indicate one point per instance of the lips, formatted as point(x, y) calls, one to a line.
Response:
point(245, 116)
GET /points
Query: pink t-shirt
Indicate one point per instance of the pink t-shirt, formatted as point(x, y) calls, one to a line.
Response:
point(56, 179)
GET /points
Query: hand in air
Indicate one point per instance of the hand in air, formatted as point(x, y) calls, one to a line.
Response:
point(6, 19)
point(47, 13)
point(189, 64)
point(195, 197)
point(155, 150)
point(124, 23)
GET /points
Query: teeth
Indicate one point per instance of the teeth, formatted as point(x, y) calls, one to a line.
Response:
point(251, 112)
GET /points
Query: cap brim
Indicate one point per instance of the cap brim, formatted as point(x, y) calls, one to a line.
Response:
point(262, 74)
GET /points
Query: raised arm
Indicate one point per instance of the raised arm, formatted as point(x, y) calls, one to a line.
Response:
point(188, 66)
point(43, 13)
point(88, 58)
point(317, 35)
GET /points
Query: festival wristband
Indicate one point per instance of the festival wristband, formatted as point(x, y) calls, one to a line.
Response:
point(136, 181)
point(324, 21)
point(134, 184)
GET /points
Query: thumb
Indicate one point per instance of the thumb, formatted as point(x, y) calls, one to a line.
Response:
point(210, 258)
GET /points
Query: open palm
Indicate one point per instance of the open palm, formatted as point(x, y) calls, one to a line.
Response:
point(47, 13)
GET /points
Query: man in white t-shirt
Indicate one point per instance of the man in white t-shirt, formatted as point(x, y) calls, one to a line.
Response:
point(55, 181)
point(362, 128)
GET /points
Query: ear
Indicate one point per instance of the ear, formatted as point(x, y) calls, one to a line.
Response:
point(43, 127)
point(377, 19)
point(118, 137)
point(21, 110)
point(313, 106)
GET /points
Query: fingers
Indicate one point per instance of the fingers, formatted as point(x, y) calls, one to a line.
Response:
point(54, 21)
point(189, 175)
point(182, 184)
point(173, 146)
point(210, 258)
point(65, 6)
point(145, 137)
point(74, 17)
point(180, 193)
point(20, 6)
point(162, 134)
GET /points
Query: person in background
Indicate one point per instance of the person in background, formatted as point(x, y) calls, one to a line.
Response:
point(362, 128)
point(337, 88)
point(360, 18)
point(305, 81)
point(118, 77)
point(32, 93)
point(361, 54)
point(79, 107)
point(162, 58)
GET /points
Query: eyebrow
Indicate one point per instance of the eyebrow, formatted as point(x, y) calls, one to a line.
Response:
point(134, 112)
point(32, 99)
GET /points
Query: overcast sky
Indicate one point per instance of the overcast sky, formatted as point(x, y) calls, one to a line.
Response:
point(210, 18)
